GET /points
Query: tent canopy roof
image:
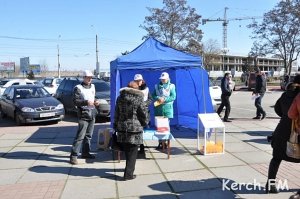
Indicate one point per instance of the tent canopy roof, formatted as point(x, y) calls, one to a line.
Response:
point(155, 55)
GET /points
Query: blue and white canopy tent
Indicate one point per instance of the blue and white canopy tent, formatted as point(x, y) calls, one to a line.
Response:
point(150, 59)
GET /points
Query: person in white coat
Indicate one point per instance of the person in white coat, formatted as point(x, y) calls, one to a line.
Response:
point(138, 78)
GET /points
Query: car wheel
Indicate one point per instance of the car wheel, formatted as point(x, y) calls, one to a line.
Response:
point(18, 120)
point(2, 114)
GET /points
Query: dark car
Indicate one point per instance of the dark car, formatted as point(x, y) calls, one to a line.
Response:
point(64, 93)
point(285, 80)
point(251, 81)
point(30, 104)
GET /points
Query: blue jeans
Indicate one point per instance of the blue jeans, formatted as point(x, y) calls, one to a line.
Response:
point(83, 137)
point(259, 109)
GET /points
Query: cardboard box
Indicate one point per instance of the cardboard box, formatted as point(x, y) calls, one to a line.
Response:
point(162, 123)
point(104, 138)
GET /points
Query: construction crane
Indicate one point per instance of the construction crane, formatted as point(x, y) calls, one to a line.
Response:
point(225, 24)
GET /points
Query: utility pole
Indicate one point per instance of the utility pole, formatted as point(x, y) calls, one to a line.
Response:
point(58, 63)
point(97, 60)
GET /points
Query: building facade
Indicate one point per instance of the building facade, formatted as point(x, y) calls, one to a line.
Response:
point(237, 64)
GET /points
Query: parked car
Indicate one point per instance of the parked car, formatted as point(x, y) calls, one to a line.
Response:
point(215, 93)
point(285, 80)
point(30, 104)
point(251, 81)
point(9, 82)
point(51, 84)
point(64, 93)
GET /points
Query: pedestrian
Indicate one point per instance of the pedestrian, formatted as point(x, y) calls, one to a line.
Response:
point(281, 134)
point(138, 78)
point(226, 93)
point(259, 92)
point(164, 96)
point(294, 114)
point(84, 100)
point(129, 121)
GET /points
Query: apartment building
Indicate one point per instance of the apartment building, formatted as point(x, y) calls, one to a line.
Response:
point(237, 64)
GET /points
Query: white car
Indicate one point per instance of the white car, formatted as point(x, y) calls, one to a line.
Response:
point(6, 83)
point(51, 84)
point(215, 93)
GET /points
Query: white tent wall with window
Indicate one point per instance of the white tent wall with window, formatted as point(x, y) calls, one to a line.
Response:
point(150, 59)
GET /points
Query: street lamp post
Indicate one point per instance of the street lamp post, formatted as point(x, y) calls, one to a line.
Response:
point(58, 62)
point(97, 60)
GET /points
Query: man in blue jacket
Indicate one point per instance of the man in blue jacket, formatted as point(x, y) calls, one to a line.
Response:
point(226, 92)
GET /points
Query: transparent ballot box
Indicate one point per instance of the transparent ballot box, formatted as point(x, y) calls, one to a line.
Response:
point(210, 134)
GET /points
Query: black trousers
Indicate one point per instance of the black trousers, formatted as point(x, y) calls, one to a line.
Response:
point(273, 168)
point(131, 151)
point(225, 102)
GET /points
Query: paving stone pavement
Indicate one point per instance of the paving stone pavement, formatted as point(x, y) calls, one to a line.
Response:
point(34, 164)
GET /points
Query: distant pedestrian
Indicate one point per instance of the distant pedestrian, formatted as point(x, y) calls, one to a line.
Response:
point(226, 93)
point(84, 100)
point(281, 134)
point(138, 78)
point(164, 96)
point(129, 120)
point(259, 92)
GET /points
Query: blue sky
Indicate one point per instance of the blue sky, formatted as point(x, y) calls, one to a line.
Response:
point(34, 28)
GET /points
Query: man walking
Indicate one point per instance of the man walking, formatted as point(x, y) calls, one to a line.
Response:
point(226, 93)
point(259, 92)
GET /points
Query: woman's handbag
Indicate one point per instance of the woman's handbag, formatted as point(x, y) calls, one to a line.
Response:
point(293, 145)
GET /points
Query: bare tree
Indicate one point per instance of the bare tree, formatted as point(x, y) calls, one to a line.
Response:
point(279, 32)
point(211, 52)
point(257, 50)
point(176, 24)
point(44, 67)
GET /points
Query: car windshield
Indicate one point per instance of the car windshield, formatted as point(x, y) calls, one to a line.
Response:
point(2, 82)
point(211, 83)
point(48, 82)
point(27, 93)
point(101, 86)
point(58, 81)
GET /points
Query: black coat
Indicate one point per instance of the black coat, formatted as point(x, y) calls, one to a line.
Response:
point(283, 130)
point(130, 116)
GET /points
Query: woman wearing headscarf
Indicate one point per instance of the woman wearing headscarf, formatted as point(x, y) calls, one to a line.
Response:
point(138, 78)
point(164, 95)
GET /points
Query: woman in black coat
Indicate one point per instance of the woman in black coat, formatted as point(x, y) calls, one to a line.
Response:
point(129, 121)
point(282, 133)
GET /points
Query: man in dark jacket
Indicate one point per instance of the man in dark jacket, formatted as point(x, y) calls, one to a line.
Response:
point(226, 92)
point(84, 100)
point(129, 121)
point(259, 92)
